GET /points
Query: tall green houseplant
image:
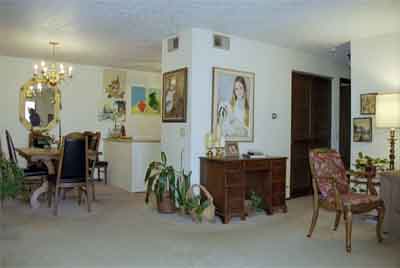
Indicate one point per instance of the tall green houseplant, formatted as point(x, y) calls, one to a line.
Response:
point(11, 177)
point(160, 179)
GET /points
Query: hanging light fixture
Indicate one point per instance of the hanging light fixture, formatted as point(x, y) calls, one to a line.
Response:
point(52, 74)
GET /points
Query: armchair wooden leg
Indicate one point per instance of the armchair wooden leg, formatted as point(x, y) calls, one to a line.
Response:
point(381, 215)
point(348, 218)
point(337, 220)
point(314, 220)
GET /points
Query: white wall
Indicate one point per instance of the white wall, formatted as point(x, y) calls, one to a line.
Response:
point(173, 143)
point(273, 67)
point(81, 97)
point(375, 67)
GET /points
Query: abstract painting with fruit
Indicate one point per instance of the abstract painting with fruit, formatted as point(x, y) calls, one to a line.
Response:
point(145, 100)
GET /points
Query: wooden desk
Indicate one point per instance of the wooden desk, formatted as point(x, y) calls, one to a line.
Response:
point(230, 181)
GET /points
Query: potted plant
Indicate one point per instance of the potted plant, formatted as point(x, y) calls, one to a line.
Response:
point(365, 163)
point(11, 177)
point(201, 205)
point(182, 188)
point(160, 180)
point(253, 204)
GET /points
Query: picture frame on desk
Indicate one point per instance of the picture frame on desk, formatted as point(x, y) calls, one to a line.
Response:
point(231, 149)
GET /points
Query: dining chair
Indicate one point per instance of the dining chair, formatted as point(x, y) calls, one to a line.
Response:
point(33, 175)
point(100, 165)
point(332, 192)
point(73, 170)
point(93, 146)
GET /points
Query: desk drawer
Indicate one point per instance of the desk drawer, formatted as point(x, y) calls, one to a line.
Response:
point(278, 168)
point(234, 177)
point(256, 164)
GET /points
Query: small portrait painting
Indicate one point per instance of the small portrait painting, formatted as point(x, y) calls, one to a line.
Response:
point(362, 129)
point(368, 103)
point(174, 96)
point(233, 104)
point(231, 149)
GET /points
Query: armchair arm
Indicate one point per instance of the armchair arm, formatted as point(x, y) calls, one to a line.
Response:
point(367, 175)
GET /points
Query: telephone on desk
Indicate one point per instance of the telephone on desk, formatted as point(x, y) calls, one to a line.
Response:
point(254, 154)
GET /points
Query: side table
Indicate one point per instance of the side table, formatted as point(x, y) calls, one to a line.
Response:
point(390, 193)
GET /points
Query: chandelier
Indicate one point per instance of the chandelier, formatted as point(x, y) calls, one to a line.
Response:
point(52, 74)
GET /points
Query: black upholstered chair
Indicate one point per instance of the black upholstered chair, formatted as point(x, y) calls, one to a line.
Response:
point(73, 169)
point(32, 175)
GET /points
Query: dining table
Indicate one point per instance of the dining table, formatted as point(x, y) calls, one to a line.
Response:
point(49, 157)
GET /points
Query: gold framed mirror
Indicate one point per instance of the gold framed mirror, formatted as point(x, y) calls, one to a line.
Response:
point(39, 106)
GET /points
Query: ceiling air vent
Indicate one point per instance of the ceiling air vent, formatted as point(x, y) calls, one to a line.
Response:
point(221, 41)
point(173, 44)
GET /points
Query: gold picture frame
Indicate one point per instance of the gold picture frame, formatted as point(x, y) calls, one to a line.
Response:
point(25, 93)
point(232, 149)
point(368, 104)
point(174, 100)
point(233, 104)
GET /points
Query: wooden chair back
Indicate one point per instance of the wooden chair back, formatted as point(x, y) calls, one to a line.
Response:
point(93, 140)
point(11, 148)
point(326, 164)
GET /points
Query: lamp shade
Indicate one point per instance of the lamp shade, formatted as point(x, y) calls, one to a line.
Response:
point(388, 110)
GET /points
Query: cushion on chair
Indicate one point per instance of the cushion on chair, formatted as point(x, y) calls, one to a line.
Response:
point(355, 199)
point(34, 171)
point(326, 165)
point(53, 179)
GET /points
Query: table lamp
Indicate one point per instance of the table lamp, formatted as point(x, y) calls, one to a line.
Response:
point(388, 116)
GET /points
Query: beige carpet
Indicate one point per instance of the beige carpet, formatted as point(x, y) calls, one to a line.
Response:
point(122, 232)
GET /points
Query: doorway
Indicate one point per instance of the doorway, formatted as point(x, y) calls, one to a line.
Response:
point(311, 126)
point(345, 120)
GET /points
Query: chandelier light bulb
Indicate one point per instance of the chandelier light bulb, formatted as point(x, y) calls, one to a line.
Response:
point(39, 86)
point(62, 68)
point(42, 63)
point(35, 69)
point(70, 71)
point(45, 69)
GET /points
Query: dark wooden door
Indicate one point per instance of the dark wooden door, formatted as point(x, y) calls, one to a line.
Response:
point(345, 121)
point(311, 126)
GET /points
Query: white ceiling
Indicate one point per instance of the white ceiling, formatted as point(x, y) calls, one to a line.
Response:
point(127, 33)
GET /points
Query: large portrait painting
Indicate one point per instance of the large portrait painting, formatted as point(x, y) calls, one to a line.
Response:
point(174, 96)
point(233, 104)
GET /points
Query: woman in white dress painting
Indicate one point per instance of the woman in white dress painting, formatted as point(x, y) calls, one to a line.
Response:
point(234, 116)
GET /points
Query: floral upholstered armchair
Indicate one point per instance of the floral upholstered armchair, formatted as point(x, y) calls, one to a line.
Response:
point(332, 192)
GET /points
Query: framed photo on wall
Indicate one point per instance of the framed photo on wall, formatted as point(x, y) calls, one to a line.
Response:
point(233, 104)
point(368, 103)
point(362, 129)
point(174, 96)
